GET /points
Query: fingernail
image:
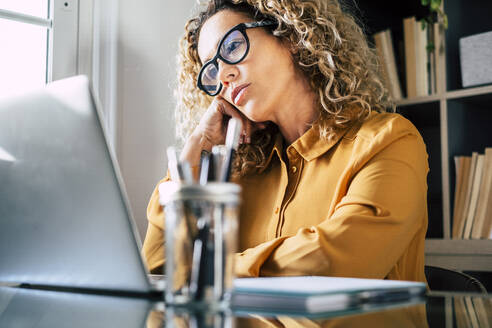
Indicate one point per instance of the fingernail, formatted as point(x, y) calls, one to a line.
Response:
point(248, 140)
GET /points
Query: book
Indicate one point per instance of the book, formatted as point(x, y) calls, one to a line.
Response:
point(483, 310)
point(487, 226)
point(315, 294)
point(484, 198)
point(384, 48)
point(487, 229)
point(417, 58)
point(483, 195)
point(472, 313)
point(467, 191)
point(439, 56)
point(422, 61)
point(463, 172)
point(409, 37)
point(477, 179)
point(461, 313)
point(459, 167)
point(433, 37)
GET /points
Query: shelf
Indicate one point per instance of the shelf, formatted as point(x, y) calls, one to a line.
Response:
point(454, 121)
point(459, 246)
point(481, 92)
point(419, 100)
point(469, 92)
point(459, 254)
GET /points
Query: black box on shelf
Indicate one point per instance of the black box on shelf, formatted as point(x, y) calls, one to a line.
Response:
point(476, 59)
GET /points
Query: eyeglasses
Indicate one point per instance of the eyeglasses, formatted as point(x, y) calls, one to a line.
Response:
point(232, 49)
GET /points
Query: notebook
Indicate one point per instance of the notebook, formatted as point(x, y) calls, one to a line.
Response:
point(315, 294)
point(64, 215)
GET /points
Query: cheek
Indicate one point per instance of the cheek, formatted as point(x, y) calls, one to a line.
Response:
point(275, 70)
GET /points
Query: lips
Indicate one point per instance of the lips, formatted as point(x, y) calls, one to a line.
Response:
point(237, 91)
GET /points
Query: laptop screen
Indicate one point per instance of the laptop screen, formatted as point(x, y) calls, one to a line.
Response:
point(64, 215)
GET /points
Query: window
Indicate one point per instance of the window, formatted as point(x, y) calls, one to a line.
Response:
point(47, 40)
point(33, 39)
point(24, 35)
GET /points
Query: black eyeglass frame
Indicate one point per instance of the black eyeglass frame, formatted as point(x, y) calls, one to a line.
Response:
point(241, 28)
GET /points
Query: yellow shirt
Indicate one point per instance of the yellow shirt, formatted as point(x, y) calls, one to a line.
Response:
point(355, 206)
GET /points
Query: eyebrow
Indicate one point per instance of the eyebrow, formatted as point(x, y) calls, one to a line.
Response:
point(218, 41)
point(217, 44)
point(210, 56)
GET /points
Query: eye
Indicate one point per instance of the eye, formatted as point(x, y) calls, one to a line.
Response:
point(210, 73)
point(233, 46)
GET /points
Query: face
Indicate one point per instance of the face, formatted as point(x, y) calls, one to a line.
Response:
point(256, 84)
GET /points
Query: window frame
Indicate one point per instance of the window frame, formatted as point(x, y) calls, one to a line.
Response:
point(62, 29)
point(82, 39)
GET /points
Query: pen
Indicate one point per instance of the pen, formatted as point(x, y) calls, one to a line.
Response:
point(185, 172)
point(172, 163)
point(234, 129)
point(199, 261)
point(206, 165)
point(218, 156)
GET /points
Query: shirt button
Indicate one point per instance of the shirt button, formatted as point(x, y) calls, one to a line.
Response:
point(276, 210)
point(294, 169)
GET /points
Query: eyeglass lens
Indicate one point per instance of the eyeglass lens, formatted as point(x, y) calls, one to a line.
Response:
point(232, 51)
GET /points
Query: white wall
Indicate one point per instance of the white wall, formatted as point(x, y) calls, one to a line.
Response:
point(148, 36)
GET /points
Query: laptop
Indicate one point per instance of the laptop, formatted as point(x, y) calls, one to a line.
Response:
point(65, 220)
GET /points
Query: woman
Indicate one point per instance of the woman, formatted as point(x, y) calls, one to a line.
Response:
point(332, 185)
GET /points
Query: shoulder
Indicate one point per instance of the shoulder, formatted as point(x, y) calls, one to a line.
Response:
point(389, 135)
point(380, 126)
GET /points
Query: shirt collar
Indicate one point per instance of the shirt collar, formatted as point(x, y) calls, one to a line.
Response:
point(277, 148)
point(310, 145)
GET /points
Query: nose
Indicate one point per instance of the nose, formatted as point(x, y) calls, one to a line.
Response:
point(227, 73)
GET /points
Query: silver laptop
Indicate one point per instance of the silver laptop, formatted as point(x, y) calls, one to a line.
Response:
point(64, 215)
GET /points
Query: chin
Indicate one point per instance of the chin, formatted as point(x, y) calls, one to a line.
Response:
point(253, 113)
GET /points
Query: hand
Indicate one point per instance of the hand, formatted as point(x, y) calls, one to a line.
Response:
point(212, 128)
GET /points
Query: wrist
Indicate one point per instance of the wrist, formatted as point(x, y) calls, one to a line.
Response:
point(193, 148)
point(204, 143)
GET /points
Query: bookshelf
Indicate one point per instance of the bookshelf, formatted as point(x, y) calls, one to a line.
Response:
point(453, 121)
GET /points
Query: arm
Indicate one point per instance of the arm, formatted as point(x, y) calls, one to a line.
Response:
point(153, 246)
point(371, 227)
point(210, 131)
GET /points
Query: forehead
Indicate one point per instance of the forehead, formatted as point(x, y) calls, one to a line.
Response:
point(214, 29)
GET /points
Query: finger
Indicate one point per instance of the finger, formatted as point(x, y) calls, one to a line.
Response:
point(227, 109)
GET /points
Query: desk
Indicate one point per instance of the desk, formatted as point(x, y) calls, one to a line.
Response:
point(39, 308)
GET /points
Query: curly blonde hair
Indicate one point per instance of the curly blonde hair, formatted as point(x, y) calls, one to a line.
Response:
point(330, 48)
